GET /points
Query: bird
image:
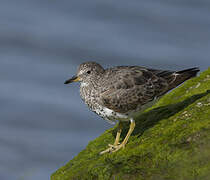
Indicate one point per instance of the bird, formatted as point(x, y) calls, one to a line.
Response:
point(116, 94)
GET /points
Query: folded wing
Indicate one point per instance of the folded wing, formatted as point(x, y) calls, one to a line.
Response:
point(133, 86)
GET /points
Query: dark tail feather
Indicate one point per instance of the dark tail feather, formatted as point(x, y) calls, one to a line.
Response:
point(189, 72)
point(179, 77)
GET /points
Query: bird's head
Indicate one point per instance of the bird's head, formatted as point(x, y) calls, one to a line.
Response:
point(86, 73)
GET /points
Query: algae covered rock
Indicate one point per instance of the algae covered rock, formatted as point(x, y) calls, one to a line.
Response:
point(171, 141)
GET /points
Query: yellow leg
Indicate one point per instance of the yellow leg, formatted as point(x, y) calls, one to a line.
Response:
point(119, 130)
point(116, 147)
point(117, 139)
point(122, 145)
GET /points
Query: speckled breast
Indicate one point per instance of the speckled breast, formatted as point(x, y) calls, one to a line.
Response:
point(91, 97)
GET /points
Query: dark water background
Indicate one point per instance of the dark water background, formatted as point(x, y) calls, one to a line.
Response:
point(43, 123)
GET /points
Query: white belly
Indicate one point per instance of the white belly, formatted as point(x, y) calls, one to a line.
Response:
point(110, 115)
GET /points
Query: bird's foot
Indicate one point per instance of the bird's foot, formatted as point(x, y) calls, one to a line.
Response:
point(113, 145)
point(113, 148)
point(122, 145)
point(108, 150)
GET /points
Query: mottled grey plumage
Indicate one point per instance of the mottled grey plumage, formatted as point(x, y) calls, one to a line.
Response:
point(125, 89)
point(117, 93)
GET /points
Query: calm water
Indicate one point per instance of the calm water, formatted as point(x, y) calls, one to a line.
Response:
point(43, 123)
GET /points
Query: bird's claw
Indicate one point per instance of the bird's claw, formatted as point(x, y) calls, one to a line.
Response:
point(112, 148)
point(113, 145)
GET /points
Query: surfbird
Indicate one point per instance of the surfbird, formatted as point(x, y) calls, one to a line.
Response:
point(117, 93)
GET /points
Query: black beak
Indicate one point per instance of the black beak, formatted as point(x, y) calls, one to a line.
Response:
point(73, 79)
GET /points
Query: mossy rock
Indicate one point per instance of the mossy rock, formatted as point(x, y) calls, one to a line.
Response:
point(171, 141)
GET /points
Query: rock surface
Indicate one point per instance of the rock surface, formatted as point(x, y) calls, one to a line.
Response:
point(171, 141)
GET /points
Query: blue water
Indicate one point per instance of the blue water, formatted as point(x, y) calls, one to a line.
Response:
point(44, 123)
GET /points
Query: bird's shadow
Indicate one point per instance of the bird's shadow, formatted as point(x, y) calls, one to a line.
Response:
point(149, 119)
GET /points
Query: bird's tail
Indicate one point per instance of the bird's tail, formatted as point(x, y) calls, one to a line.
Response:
point(189, 73)
point(179, 77)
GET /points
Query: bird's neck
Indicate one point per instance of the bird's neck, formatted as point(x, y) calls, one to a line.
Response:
point(88, 94)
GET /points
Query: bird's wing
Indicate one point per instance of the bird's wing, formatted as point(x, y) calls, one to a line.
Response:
point(131, 86)
point(175, 78)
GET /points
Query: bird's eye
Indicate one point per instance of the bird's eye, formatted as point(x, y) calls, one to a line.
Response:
point(88, 72)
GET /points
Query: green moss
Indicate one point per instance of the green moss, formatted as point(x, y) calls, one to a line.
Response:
point(171, 141)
